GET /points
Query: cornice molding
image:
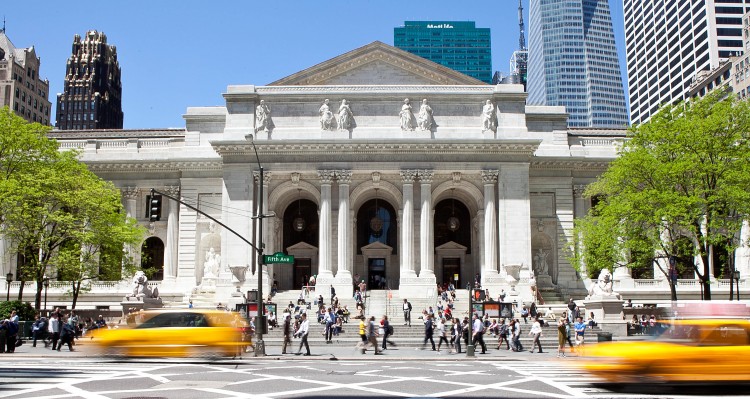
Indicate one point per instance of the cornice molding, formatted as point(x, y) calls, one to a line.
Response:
point(594, 165)
point(156, 166)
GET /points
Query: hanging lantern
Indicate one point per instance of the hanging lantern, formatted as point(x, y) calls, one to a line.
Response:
point(376, 223)
point(299, 222)
point(453, 223)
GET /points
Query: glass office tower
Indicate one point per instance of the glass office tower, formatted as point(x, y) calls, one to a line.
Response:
point(460, 46)
point(573, 62)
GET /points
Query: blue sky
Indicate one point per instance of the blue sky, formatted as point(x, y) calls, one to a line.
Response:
point(176, 54)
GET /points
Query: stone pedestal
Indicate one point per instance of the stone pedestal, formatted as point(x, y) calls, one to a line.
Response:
point(344, 285)
point(604, 308)
point(418, 288)
point(137, 304)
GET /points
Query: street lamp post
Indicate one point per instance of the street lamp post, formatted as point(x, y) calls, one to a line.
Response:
point(46, 286)
point(737, 279)
point(8, 280)
point(260, 324)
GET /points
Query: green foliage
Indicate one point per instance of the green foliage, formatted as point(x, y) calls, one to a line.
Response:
point(24, 309)
point(685, 174)
point(64, 216)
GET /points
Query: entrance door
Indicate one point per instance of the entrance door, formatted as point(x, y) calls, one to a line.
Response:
point(301, 274)
point(451, 269)
point(376, 273)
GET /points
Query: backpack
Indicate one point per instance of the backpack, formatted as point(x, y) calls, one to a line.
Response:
point(389, 330)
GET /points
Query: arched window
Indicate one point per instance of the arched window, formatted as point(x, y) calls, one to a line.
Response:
point(376, 222)
point(152, 258)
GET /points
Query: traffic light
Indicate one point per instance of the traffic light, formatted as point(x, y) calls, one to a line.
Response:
point(154, 207)
point(479, 295)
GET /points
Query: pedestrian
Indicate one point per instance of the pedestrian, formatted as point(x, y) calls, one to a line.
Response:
point(330, 320)
point(503, 335)
point(478, 333)
point(428, 330)
point(302, 331)
point(561, 337)
point(53, 329)
point(457, 334)
point(571, 310)
point(372, 336)
point(517, 336)
point(442, 334)
point(362, 334)
point(39, 329)
point(333, 294)
point(407, 312)
point(580, 328)
point(387, 332)
point(524, 314)
point(287, 330)
point(67, 334)
point(536, 333)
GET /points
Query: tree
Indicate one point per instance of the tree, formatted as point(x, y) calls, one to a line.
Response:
point(60, 215)
point(684, 173)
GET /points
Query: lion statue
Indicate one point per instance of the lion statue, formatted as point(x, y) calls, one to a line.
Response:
point(141, 288)
point(603, 286)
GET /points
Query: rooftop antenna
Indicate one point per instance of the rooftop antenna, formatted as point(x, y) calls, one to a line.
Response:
point(521, 38)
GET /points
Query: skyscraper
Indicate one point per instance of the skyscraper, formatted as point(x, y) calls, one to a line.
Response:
point(668, 42)
point(573, 62)
point(92, 96)
point(460, 46)
point(21, 89)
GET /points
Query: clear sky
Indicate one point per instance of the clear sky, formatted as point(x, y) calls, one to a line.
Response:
point(176, 54)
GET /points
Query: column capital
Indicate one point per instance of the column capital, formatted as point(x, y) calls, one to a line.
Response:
point(578, 190)
point(173, 191)
point(326, 176)
point(344, 176)
point(426, 175)
point(130, 193)
point(408, 176)
point(489, 176)
point(266, 177)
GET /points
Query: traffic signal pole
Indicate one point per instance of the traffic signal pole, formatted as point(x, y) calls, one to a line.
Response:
point(470, 344)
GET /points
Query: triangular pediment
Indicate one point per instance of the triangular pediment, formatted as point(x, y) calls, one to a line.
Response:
point(451, 246)
point(377, 64)
point(301, 246)
point(376, 246)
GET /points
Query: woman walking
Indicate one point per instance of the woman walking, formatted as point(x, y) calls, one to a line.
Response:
point(562, 336)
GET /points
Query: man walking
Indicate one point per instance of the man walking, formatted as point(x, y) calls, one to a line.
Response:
point(301, 332)
point(387, 332)
point(407, 312)
point(478, 331)
point(53, 328)
point(428, 329)
point(536, 333)
point(330, 320)
point(287, 329)
point(372, 336)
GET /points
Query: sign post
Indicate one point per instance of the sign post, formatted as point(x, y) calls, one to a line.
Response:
point(278, 257)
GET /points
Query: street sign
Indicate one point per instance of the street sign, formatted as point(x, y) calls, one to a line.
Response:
point(278, 257)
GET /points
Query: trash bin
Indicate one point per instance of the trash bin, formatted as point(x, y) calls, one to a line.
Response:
point(604, 336)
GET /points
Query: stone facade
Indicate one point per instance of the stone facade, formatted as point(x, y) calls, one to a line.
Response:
point(413, 208)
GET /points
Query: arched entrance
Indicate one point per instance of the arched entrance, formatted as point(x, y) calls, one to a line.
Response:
point(301, 234)
point(152, 258)
point(452, 242)
point(376, 223)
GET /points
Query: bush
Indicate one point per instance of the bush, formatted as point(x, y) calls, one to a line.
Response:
point(24, 309)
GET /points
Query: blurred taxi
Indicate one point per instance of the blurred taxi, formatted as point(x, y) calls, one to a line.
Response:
point(183, 332)
point(689, 350)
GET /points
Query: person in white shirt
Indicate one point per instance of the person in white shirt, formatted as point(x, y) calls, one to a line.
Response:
point(478, 331)
point(442, 334)
point(54, 330)
point(536, 332)
point(301, 333)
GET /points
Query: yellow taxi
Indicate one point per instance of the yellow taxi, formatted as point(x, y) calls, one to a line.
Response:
point(178, 332)
point(693, 350)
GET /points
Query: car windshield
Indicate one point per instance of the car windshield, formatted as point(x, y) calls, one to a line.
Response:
point(701, 334)
point(164, 320)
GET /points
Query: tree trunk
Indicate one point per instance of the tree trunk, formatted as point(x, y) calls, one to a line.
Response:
point(20, 290)
point(38, 295)
point(706, 279)
point(673, 290)
point(76, 291)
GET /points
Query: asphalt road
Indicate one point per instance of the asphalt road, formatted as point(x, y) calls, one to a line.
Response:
point(334, 373)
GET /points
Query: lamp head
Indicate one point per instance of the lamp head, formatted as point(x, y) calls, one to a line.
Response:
point(249, 137)
point(9, 277)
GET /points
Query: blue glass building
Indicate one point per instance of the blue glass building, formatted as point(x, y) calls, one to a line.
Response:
point(460, 46)
point(573, 62)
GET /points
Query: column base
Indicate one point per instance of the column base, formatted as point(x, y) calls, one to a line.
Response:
point(418, 288)
point(323, 282)
point(344, 284)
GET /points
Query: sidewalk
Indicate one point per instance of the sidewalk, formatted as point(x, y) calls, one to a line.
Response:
point(84, 349)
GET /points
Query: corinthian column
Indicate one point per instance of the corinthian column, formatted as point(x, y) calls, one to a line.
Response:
point(324, 230)
point(426, 230)
point(343, 280)
point(489, 268)
point(170, 252)
point(407, 224)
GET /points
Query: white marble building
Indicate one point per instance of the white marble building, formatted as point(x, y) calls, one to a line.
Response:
point(359, 183)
